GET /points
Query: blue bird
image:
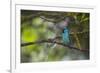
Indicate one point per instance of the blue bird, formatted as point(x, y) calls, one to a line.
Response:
point(65, 36)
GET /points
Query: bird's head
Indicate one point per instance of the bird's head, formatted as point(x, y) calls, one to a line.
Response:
point(69, 20)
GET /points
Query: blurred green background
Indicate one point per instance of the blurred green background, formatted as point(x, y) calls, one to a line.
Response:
point(34, 28)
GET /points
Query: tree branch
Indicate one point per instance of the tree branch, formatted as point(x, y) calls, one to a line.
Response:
point(51, 41)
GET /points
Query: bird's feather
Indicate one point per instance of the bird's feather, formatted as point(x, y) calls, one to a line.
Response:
point(65, 36)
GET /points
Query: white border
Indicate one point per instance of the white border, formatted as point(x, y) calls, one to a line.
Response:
point(16, 66)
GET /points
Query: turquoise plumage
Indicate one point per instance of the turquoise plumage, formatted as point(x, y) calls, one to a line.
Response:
point(65, 36)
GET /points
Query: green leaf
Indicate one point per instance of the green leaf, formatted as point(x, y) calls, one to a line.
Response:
point(29, 35)
point(37, 21)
